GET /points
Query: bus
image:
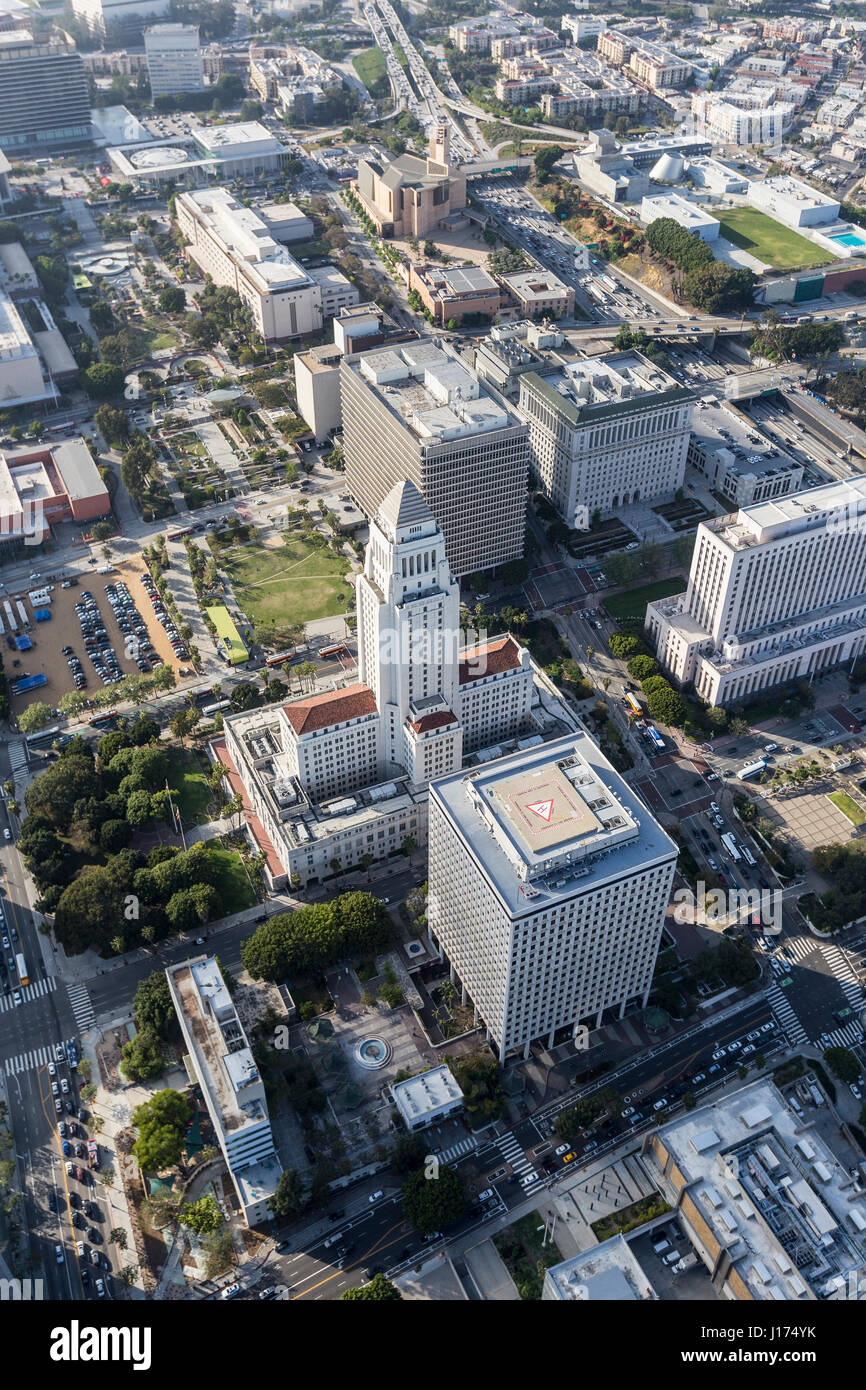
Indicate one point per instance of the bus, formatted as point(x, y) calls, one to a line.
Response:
point(749, 856)
point(43, 735)
point(730, 845)
point(216, 707)
point(101, 721)
point(21, 967)
point(178, 533)
point(752, 770)
point(631, 703)
point(280, 658)
point(338, 649)
point(655, 738)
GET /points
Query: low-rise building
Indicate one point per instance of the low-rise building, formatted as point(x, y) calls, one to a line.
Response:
point(43, 486)
point(607, 1273)
point(735, 459)
point(221, 1060)
point(454, 292)
point(689, 215)
point(427, 1099)
point(793, 202)
point(210, 154)
point(538, 294)
point(293, 77)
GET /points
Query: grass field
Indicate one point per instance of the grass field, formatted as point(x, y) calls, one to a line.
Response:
point(370, 67)
point(848, 806)
point(633, 603)
point(772, 243)
point(294, 584)
point(190, 790)
point(232, 884)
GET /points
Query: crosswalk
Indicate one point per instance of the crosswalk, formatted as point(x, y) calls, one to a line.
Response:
point(17, 757)
point(28, 993)
point(788, 1020)
point(520, 1164)
point(848, 1036)
point(28, 1061)
point(463, 1146)
point(81, 1006)
point(845, 974)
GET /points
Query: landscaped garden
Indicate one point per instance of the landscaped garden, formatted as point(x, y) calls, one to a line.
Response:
point(302, 580)
point(769, 241)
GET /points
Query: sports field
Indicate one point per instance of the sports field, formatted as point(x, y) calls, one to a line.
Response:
point(293, 584)
point(769, 241)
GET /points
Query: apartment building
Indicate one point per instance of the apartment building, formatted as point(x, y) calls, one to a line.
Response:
point(44, 103)
point(548, 884)
point(230, 1081)
point(343, 774)
point(293, 77)
point(242, 248)
point(743, 119)
point(416, 411)
point(776, 593)
point(174, 62)
point(604, 432)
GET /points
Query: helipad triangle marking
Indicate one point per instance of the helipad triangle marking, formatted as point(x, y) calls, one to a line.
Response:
point(544, 809)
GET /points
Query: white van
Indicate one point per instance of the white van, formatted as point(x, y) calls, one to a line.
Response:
point(105, 569)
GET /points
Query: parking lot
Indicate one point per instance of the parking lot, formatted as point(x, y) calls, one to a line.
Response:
point(64, 630)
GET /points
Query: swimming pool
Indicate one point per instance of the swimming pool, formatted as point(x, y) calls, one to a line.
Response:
point(849, 238)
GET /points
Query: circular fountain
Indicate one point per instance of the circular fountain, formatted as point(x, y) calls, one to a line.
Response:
point(372, 1053)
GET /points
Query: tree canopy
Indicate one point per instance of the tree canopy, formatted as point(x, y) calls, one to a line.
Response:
point(162, 1124)
point(431, 1204)
point(316, 935)
point(379, 1290)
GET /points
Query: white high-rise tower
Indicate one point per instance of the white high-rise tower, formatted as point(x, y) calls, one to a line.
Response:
point(408, 632)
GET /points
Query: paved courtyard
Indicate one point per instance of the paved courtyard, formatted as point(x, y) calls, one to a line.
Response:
point(809, 818)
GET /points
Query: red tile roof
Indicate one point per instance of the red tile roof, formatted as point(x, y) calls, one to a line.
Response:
point(428, 722)
point(490, 659)
point(257, 830)
point(334, 707)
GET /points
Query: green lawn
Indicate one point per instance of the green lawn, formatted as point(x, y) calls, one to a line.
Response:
point(772, 243)
point(848, 806)
point(232, 884)
point(633, 603)
point(189, 785)
point(294, 584)
point(370, 67)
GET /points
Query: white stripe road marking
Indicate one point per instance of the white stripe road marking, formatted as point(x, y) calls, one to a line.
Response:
point(28, 993)
point(82, 1008)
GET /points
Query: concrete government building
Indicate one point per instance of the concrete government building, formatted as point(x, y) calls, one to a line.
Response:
point(415, 410)
point(331, 778)
point(776, 593)
point(548, 885)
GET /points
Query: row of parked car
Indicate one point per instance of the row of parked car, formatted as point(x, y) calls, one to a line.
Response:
point(178, 646)
point(97, 643)
point(132, 625)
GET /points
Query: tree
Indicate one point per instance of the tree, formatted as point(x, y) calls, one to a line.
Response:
point(641, 667)
point(717, 716)
point(117, 1236)
point(624, 644)
point(172, 300)
point(143, 1057)
point(138, 808)
point(545, 158)
point(103, 380)
point(379, 1290)
point(667, 706)
point(288, 1198)
point(34, 717)
point(161, 1123)
point(203, 1216)
point(408, 1153)
point(153, 1009)
point(431, 1204)
point(718, 288)
point(843, 1064)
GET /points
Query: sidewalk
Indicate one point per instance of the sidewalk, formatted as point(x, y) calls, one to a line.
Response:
point(116, 1114)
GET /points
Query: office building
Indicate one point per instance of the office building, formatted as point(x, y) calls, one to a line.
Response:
point(693, 218)
point(317, 388)
point(413, 197)
point(119, 22)
point(222, 1062)
point(416, 411)
point(242, 248)
point(332, 778)
point(548, 883)
point(735, 459)
point(208, 155)
point(793, 202)
point(776, 593)
point(44, 104)
point(539, 294)
point(510, 349)
point(604, 432)
point(6, 192)
point(774, 1214)
point(455, 292)
point(174, 62)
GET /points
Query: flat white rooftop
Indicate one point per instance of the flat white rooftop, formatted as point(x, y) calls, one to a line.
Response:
point(546, 822)
point(435, 394)
point(835, 504)
point(427, 1094)
point(614, 379)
